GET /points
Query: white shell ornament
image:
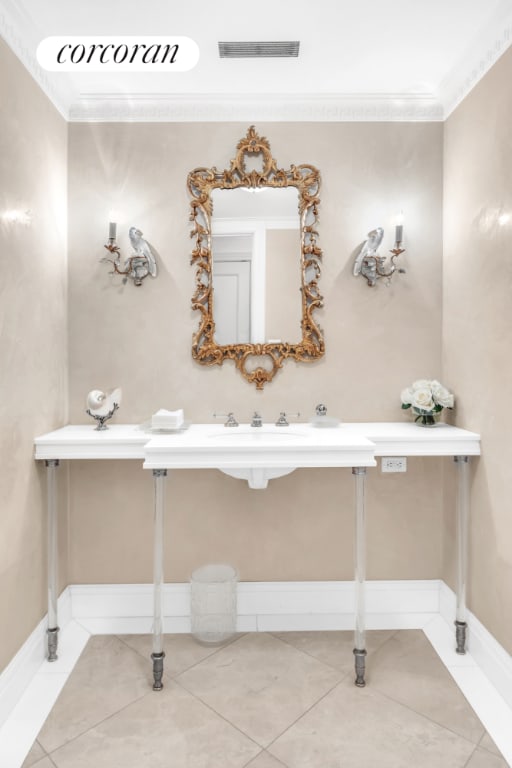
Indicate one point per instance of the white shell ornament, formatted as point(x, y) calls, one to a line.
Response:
point(102, 406)
point(95, 398)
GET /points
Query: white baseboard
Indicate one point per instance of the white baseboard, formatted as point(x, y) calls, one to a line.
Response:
point(262, 606)
point(21, 669)
point(31, 707)
point(490, 656)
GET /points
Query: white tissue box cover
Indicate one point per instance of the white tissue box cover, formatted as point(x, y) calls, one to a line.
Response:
point(164, 419)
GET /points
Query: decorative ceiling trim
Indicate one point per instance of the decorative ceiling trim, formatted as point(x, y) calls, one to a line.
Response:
point(493, 41)
point(138, 107)
point(17, 28)
point(14, 20)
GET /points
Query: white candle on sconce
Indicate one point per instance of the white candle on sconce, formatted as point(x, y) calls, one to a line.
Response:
point(399, 228)
point(112, 230)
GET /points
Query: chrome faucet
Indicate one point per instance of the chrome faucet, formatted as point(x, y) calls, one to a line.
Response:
point(230, 419)
point(257, 421)
point(283, 421)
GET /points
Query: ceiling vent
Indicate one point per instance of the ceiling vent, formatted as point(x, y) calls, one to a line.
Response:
point(259, 50)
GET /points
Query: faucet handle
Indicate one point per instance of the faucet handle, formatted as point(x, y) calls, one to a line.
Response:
point(283, 421)
point(230, 419)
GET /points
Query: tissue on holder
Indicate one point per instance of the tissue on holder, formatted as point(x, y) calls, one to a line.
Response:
point(164, 419)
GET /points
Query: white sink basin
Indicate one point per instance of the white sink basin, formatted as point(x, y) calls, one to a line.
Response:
point(258, 454)
point(245, 434)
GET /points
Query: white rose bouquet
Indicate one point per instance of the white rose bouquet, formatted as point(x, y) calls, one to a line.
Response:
point(427, 398)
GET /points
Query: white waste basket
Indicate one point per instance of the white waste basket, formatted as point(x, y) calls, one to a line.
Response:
point(213, 603)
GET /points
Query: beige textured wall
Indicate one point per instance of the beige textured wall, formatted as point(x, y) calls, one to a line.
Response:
point(33, 343)
point(478, 329)
point(377, 341)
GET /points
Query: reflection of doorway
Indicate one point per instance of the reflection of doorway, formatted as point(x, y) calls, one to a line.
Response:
point(232, 301)
point(231, 279)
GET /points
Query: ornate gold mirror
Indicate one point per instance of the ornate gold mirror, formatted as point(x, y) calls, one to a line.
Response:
point(257, 262)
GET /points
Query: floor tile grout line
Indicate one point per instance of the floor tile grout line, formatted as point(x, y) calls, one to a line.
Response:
point(172, 676)
point(265, 752)
point(210, 655)
point(45, 753)
point(344, 675)
point(490, 751)
point(310, 655)
point(92, 727)
point(265, 748)
point(95, 725)
point(218, 714)
point(430, 719)
point(328, 664)
point(343, 678)
point(438, 658)
point(470, 757)
point(139, 698)
point(306, 653)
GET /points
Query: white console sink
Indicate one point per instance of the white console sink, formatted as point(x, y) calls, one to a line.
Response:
point(258, 454)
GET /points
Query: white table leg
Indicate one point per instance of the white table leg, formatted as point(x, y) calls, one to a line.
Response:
point(158, 577)
point(53, 628)
point(360, 576)
point(462, 463)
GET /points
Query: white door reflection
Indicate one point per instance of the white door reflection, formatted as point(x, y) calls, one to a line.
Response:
point(232, 289)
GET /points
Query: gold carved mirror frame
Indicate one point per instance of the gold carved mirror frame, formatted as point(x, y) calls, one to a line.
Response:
point(258, 363)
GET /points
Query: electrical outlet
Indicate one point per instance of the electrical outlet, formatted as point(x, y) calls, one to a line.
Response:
point(394, 464)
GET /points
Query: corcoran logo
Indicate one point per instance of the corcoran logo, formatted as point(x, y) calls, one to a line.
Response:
point(128, 54)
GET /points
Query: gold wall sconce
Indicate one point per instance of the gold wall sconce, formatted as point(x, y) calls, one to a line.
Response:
point(138, 266)
point(373, 267)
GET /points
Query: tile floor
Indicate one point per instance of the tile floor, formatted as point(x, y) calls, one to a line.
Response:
point(264, 700)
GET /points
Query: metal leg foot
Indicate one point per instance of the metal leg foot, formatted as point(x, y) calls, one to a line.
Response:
point(53, 639)
point(158, 670)
point(460, 636)
point(360, 664)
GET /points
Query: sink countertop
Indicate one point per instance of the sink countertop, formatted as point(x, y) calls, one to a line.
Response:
point(360, 442)
point(404, 438)
point(83, 441)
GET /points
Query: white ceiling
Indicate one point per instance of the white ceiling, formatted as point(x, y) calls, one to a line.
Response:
point(359, 60)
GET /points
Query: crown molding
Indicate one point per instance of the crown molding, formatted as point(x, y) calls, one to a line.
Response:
point(17, 28)
point(493, 40)
point(163, 107)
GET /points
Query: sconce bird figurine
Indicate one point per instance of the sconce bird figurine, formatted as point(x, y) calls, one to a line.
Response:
point(370, 265)
point(137, 266)
point(369, 248)
point(143, 249)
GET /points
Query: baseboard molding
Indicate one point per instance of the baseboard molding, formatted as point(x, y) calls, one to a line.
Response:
point(262, 606)
point(489, 655)
point(21, 669)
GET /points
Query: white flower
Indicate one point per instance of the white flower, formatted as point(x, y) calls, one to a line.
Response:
point(407, 396)
point(441, 396)
point(420, 384)
point(422, 399)
point(426, 396)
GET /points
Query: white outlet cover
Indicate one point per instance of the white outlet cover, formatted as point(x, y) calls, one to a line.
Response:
point(394, 464)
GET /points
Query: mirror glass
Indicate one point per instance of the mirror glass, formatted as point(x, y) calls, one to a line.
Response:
point(257, 262)
point(256, 267)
